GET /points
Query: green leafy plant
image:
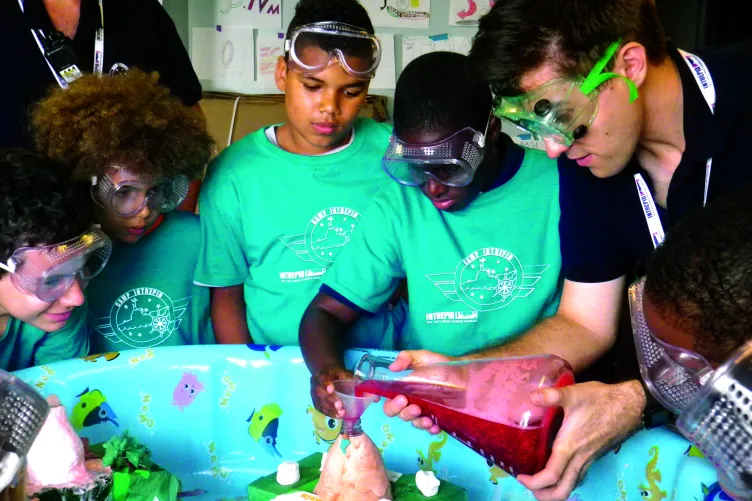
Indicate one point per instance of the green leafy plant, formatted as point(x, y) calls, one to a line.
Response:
point(126, 453)
point(135, 476)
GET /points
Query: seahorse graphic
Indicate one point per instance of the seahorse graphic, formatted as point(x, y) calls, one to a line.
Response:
point(622, 492)
point(652, 491)
point(426, 463)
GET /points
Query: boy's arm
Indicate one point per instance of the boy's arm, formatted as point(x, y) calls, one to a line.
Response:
point(222, 262)
point(72, 341)
point(324, 325)
point(582, 330)
point(363, 277)
point(228, 310)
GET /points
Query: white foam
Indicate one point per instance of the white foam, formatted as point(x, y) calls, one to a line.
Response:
point(427, 483)
point(288, 473)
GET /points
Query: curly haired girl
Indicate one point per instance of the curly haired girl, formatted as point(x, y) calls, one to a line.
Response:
point(138, 147)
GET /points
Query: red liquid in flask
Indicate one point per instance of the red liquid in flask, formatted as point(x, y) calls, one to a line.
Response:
point(513, 448)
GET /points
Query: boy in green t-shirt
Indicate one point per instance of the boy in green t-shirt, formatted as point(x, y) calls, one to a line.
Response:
point(47, 249)
point(472, 223)
point(279, 205)
point(136, 147)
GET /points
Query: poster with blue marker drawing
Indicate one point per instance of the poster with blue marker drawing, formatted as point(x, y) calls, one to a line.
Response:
point(468, 12)
point(263, 14)
point(398, 13)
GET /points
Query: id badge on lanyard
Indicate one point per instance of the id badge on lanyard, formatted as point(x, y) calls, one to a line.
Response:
point(705, 82)
point(65, 70)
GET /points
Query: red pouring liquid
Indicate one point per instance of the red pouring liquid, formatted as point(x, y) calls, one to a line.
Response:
point(514, 449)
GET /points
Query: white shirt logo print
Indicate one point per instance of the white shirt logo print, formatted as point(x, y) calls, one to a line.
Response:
point(486, 280)
point(327, 233)
point(142, 318)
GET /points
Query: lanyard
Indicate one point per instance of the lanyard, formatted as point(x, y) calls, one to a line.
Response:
point(649, 209)
point(98, 49)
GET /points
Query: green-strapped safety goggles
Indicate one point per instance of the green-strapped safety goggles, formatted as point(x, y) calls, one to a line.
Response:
point(561, 109)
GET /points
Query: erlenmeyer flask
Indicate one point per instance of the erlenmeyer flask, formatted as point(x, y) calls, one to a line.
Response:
point(484, 404)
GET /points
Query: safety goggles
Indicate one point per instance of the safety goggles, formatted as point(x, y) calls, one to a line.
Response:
point(48, 272)
point(562, 109)
point(128, 198)
point(672, 374)
point(719, 422)
point(451, 161)
point(314, 47)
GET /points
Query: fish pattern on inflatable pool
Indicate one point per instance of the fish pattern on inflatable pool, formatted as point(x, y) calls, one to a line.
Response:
point(220, 416)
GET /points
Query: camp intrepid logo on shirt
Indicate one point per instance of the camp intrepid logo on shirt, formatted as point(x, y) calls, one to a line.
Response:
point(328, 232)
point(142, 318)
point(486, 280)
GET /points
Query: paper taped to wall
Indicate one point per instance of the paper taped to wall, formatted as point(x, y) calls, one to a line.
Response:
point(224, 56)
point(386, 74)
point(413, 47)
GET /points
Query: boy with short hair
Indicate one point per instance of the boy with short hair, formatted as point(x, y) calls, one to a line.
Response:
point(279, 205)
point(136, 147)
point(48, 248)
point(653, 129)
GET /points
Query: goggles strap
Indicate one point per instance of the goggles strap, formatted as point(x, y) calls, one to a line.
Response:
point(482, 140)
point(10, 267)
point(595, 78)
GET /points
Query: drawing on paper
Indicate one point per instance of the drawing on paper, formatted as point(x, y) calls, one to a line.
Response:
point(402, 10)
point(223, 55)
point(227, 52)
point(398, 13)
point(414, 47)
point(468, 12)
point(231, 4)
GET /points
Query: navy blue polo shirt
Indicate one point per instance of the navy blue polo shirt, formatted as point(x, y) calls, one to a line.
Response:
point(605, 235)
point(138, 33)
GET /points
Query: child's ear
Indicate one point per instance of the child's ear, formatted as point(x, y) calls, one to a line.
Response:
point(280, 74)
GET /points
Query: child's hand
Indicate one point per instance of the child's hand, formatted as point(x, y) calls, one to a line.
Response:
point(322, 390)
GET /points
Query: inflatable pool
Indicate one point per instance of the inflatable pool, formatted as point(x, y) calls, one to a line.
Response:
point(221, 416)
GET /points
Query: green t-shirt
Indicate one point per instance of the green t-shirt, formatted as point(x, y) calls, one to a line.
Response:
point(275, 221)
point(24, 345)
point(145, 296)
point(476, 278)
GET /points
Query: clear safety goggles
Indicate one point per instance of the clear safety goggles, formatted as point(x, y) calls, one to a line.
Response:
point(451, 161)
point(314, 47)
point(719, 422)
point(561, 109)
point(672, 374)
point(129, 197)
point(48, 272)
